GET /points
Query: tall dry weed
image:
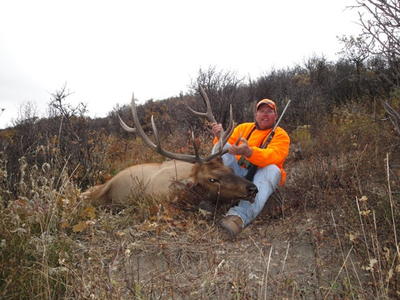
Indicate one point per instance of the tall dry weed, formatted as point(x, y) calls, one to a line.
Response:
point(34, 240)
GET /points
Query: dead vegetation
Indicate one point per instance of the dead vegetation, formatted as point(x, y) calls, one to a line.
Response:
point(330, 233)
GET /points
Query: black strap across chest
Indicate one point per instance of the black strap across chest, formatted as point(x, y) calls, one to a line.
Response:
point(254, 128)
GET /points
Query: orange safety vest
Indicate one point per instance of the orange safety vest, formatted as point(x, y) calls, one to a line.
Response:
point(274, 154)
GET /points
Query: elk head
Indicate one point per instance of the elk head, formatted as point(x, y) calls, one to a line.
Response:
point(221, 184)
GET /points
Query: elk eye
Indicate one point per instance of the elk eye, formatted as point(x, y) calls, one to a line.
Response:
point(213, 180)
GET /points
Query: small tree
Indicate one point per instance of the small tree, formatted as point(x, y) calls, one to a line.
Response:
point(380, 22)
point(356, 50)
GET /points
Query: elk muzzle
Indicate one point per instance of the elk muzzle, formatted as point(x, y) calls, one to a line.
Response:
point(252, 191)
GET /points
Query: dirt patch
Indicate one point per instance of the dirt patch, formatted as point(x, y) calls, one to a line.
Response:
point(189, 256)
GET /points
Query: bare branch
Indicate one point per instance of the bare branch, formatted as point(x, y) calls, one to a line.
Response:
point(394, 116)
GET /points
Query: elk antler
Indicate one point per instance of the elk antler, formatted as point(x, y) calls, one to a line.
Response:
point(184, 157)
point(224, 135)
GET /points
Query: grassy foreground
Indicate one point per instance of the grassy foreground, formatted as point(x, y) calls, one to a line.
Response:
point(330, 233)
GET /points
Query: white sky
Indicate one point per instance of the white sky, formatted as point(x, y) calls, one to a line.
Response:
point(105, 50)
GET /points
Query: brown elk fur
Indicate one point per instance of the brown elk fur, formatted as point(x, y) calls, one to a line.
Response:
point(219, 182)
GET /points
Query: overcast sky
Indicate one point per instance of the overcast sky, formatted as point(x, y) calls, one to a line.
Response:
point(105, 50)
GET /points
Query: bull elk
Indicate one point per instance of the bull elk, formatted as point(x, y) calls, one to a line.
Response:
point(219, 183)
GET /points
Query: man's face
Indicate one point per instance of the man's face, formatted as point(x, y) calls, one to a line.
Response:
point(265, 117)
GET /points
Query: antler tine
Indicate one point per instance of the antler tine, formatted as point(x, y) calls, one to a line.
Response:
point(126, 127)
point(138, 127)
point(196, 150)
point(224, 137)
point(163, 152)
point(227, 133)
point(208, 113)
point(155, 147)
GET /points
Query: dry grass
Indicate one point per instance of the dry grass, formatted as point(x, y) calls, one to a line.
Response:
point(330, 233)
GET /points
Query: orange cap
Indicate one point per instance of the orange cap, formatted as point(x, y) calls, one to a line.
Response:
point(268, 102)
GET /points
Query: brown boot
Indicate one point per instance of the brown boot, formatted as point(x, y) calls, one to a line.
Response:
point(232, 224)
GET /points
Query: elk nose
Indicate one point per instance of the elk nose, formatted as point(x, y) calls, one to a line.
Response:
point(252, 189)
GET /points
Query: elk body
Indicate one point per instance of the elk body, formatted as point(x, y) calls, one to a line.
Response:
point(219, 183)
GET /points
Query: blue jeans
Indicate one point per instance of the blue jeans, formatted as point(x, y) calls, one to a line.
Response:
point(266, 179)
